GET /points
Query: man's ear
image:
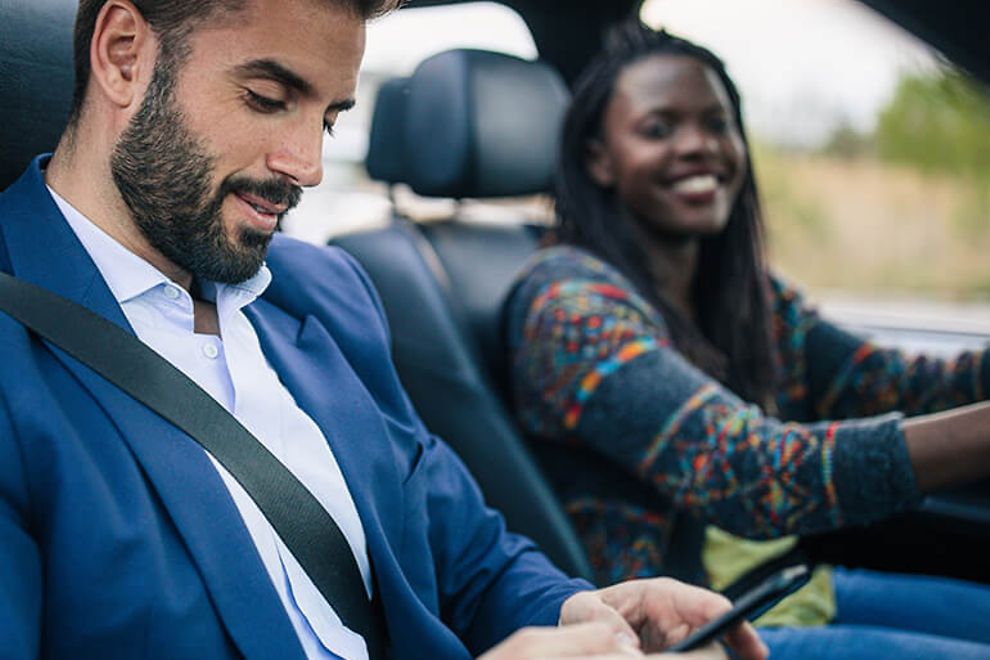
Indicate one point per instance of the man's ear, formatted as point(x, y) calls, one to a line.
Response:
point(599, 163)
point(120, 56)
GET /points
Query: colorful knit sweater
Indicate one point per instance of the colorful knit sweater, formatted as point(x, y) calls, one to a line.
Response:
point(646, 442)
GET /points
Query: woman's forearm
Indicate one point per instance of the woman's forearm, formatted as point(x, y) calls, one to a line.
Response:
point(949, 448)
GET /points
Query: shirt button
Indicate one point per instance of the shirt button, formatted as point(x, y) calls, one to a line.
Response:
point(171, 292)
point(210, 351)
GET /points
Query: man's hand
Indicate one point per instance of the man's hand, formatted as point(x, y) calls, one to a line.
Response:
point(595, 640)
point(627, 620)
point(660, 612)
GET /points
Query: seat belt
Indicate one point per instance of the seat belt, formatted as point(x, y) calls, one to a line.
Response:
point(300, 520)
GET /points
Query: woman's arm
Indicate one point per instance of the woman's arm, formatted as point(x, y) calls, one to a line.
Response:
point(593, 365)
point(949, 448)
point(842, 376)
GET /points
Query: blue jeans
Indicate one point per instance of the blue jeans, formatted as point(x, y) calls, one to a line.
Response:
point(889, 615)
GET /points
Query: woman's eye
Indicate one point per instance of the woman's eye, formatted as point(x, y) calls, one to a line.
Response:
point(263, 103)
point(656, 130)
point(718, 125)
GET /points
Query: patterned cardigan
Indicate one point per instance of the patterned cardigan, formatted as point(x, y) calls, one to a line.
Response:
point(635, 437)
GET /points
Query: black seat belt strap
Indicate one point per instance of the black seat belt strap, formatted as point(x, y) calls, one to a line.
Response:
point(300, 520)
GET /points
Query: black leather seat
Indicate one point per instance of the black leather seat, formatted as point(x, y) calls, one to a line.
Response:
point(388, 126)
point(35, 79)
point(472, 124)
point(443, 283)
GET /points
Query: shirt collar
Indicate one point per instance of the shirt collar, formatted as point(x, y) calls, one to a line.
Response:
point(129, 276)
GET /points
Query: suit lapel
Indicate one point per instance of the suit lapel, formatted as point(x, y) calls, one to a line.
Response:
point(178, 469)
point(316, 373)
point(205, 516)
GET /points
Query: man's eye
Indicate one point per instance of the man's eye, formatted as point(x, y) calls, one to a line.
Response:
point(328, 127)
point(263, 103)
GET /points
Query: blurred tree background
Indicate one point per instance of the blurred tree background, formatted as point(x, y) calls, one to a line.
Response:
point(904, 209)
point(939, 122)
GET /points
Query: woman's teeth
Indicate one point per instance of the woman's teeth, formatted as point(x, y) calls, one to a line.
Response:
point(701, 183)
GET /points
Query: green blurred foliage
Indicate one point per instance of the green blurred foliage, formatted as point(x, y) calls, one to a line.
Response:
point(846, 142)
point(903, 209)
point(939, 122)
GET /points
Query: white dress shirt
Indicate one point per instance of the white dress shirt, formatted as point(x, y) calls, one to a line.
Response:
point(234, 371)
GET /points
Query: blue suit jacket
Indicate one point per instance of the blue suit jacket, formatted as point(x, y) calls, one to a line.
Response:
point(117, 537)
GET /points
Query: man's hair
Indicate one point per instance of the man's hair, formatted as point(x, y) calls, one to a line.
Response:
point(732, 338)
point(173, 21)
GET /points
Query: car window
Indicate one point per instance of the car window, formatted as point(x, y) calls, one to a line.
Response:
point(347, 200)
point(873, 160)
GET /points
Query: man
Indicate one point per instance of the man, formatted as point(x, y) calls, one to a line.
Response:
point(196, 124)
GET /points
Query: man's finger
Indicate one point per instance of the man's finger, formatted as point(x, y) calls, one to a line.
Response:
point(591, 639)
point(712, 651)
point(589, 606)
point(746, 643)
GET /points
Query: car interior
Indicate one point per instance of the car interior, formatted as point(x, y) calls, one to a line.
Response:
point(476, 124)
point(427, 133)
point(442, 284)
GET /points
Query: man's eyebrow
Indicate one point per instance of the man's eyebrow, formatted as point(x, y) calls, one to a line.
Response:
point(268, 68)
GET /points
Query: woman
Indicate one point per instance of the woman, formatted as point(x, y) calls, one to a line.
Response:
point(656, 356)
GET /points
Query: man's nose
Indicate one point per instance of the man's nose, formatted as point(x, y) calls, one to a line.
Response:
point(300, 157)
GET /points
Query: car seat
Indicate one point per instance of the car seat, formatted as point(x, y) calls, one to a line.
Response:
point(443, 153)
point(442, 283)
point(35, 79)
point(452, 129)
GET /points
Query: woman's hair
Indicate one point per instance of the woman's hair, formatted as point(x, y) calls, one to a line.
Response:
point(730, 292)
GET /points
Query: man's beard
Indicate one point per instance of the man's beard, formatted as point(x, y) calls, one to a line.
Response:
point(163, 174)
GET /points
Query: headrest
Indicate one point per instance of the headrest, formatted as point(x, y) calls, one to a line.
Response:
point(482, 124)
point(35, 79)
point(386, 159)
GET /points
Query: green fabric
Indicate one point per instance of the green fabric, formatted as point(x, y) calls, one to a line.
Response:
point(727, 557)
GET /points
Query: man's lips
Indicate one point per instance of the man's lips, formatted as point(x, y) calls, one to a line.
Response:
point(262, 205)
point(262, 215)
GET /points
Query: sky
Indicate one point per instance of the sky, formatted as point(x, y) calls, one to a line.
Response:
point(803, 66)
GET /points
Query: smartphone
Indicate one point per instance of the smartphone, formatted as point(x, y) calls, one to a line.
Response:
point(749, 606)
